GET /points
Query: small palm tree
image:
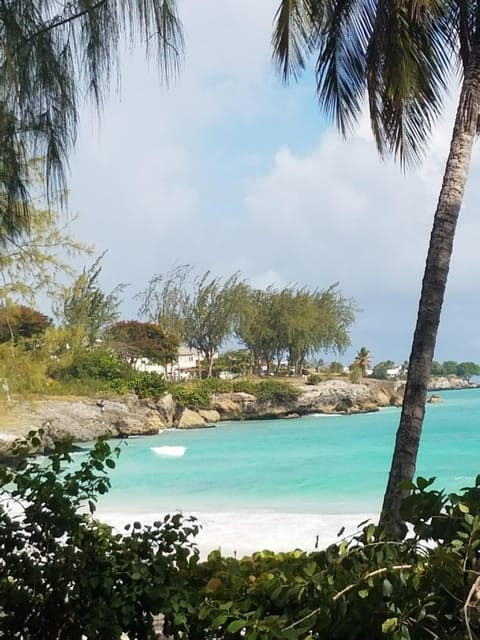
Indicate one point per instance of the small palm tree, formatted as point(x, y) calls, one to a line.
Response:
point(400, 56)
point(363, 360)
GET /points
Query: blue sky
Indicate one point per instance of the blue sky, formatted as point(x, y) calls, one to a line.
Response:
point(227, 169)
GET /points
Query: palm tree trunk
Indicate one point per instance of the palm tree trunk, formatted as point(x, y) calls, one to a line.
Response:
point(433, 289)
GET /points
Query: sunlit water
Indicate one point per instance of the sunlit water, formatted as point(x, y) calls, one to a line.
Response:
point(280, 483)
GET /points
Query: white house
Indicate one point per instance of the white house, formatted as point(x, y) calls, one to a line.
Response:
point(394, 372)
point(184, 367)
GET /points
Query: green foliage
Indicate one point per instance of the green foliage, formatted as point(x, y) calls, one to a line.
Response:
point(147, 384)
point(18, 322)
point(63, 574)
point(84, 304)
point(276, 391)
point(25, 370)
point(216, 385)
point(54, 54)
point(97, 364)
point(101, 584)
point(36, 260)
point(236, 361)
point(379, 371)
point(294, 322)
point(135, 340)
point(245, 386)
point(268, 390)
point(355, 373)
point(467, 369)
point(366, 587)
point(451, 368)
point(192, 396)
point(209, 313)
point(314, 378)
point(335, 367)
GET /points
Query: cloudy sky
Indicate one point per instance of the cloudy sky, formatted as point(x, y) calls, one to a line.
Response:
point(229, 170)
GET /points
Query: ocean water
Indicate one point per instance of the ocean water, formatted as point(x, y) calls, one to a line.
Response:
point(281, 483)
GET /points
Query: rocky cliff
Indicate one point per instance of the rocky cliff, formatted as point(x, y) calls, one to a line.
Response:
point(85, 419)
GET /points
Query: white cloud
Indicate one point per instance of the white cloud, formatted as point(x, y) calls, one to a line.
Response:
point(152, 185)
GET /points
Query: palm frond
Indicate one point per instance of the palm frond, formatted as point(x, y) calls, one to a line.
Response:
point(408, 67)
point(340, 65)
point(296, 26)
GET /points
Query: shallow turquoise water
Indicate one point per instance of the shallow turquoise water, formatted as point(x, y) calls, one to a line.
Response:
point(335, 464)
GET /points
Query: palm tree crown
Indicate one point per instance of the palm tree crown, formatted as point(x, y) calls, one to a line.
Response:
point(398, 55)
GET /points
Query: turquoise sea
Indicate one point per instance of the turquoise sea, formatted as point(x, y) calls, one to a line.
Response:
point(315, 464)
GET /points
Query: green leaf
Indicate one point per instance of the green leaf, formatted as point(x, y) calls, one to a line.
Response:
point(387, 588)
point(390, 624)
point(219, 621)
point(236, 626)
point(464, 508)
point(363, 593)
point(423, 483)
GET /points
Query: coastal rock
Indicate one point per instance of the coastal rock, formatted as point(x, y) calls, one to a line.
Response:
point(434, 398)
point(190, 420)
point(210, 415)
point(232, 406)
point(341, 396)
point(443, 383)
point(85, 419)
point(166, 408)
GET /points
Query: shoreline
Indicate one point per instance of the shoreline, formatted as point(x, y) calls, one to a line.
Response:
point(240, 533)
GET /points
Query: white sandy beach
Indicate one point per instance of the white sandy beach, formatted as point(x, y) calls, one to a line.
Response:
point(241, 533)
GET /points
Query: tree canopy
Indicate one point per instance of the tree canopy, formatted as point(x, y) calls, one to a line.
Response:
point(52, 54)
point(134, 340)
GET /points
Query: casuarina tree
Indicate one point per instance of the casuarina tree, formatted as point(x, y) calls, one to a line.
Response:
point(52, 53)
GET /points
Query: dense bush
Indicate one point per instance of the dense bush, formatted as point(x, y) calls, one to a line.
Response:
point(245, 386)
point(99, 364)
point(215, 385)
point(148, 384)
point(268, 390)
point(64, 575)
point(192, 396)
point(314, 378)
point(276, 391)
point(365, 588)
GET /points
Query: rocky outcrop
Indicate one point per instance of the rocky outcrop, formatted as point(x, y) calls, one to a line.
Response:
point(189, 419)
point(335, 396)
point(439, 383)
point(85, 419)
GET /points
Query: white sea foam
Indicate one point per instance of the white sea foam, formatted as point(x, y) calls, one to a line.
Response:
point(169, 451)
point(327, 415)
point(243, 532)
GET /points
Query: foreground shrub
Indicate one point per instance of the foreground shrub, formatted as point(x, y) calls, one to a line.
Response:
point(365, 588)
point(63, 574)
